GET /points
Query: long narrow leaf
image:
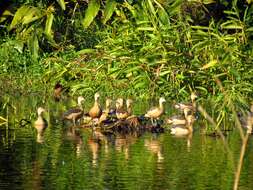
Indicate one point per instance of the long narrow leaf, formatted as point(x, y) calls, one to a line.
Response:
point(91, 12)
point(62, 4)
point(109, 9)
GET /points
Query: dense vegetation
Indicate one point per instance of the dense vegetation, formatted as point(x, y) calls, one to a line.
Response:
point(130, 47)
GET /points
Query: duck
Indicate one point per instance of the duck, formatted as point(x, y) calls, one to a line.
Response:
point(95, 111)
point(184, 129)
point(40, 124)
point(75, 113)
point(105, 112)
point(156, 112)
point(176, 120)
point(58, 88)
point(120, 112)
point(129, 103)
point(188, 107)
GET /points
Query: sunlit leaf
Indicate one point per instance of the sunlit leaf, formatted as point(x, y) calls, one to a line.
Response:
point(5, 15)
point(32, 15)
point(62, 4)
point(91, 12)
point(49, 22)
point(20, 13)
point(210, 64)
point(109, 9)
point(33, 45)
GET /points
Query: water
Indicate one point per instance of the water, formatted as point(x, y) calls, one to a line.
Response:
point(73, 158)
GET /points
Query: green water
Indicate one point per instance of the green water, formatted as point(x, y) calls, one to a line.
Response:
point(74, 158)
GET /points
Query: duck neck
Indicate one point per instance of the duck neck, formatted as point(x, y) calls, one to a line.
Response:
point(190, 128)
point(129, 109)
point(161, 106)
point(80, 105)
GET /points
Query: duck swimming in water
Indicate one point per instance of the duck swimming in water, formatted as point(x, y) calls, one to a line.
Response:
point(96, 111)
point(40, 124)
point(176, 120)
point(75, 113)
point(156, 112)
point(184, 129)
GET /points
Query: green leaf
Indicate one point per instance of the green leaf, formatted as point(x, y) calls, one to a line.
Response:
point(210, 64)
point(49, 22)
point(5, 15)
point(32, 15)
point(109, 9)
point(20, 13)
point(62, 4)
point(85, 51)
point(33, 45)
point(91, 12)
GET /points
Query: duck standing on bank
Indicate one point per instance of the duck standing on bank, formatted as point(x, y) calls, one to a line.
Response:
point(96, 111)
point(76, 113)
point(105, 113)
point(122, 114)
point(156, 112)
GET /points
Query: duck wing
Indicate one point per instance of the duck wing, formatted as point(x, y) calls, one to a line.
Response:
point(152, 112)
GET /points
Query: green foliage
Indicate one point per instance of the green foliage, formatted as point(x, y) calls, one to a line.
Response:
point(143, 48)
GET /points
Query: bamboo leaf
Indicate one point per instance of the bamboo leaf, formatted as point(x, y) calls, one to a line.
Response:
point(109, 9)
point(48, 27)
point(210, 64)
point(62, 4)
point(32, 15)
point(91, 12)
point(33, 45)
point(4, 15)
point(20, 13)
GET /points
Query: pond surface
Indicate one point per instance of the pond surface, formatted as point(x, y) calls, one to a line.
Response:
point(75, 158)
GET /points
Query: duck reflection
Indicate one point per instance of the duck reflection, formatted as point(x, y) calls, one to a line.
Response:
point(154, 146)
point(123, 142)
point(75, 136)
point(96, 142)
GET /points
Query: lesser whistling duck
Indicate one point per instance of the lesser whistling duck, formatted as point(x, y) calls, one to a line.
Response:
point(176, 120)
point(120, 113)
point(105, 113)
point(156, 112)
point(187, 107)
point(96, 111)
point(186, 129)
point(58, 88)
point(75, 113)
point(40, 124)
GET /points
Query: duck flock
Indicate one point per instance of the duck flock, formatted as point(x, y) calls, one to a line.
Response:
point(120, 118)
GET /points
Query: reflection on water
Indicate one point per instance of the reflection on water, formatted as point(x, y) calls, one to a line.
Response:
point(66, 157)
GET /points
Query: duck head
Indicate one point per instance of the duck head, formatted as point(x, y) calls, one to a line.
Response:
point(193, 96)
point(96, 96)
point(129, 102)
point(162, 100)
point(40, 110)
point(120, 102)
point(80, 99)
point(108, 102)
